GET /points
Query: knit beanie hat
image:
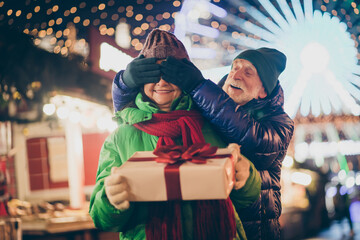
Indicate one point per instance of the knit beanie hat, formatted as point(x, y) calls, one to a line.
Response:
point(269, 64)
point(162, 44)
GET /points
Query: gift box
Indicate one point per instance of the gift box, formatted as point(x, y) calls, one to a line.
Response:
point(151, 178)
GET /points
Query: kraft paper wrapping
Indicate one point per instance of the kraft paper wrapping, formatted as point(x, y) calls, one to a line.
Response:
point(213, 180)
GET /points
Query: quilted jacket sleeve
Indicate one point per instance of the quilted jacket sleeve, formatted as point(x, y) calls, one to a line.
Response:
point(104, 215)
point(122, 94)
point(261, 140)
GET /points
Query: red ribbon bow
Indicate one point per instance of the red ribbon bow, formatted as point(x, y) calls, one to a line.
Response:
point(197, 153)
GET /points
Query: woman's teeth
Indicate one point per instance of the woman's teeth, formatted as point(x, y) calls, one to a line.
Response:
point(162, 91)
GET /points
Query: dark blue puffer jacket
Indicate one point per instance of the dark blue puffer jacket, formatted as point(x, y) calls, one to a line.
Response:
point(263, 130)
point(121, 94)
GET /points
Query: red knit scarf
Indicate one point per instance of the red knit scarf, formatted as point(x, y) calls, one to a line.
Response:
point(212, 219)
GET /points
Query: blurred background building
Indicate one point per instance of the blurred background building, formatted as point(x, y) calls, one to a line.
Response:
point(58, 59)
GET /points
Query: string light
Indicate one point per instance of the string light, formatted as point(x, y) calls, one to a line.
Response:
point(142, 16)
point(122, 13)
point(90, 115)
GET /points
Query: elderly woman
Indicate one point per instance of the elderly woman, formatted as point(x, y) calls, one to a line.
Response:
point(163, 115)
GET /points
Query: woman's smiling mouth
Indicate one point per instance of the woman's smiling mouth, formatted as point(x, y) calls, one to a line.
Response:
point(163, 91)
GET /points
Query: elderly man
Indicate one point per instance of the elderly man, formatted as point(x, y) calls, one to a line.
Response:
point(246, 107)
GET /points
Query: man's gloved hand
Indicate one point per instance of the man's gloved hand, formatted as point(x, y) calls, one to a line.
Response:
point(242, 166)
point(117, 190)
point(182, 73)
point(140, 71)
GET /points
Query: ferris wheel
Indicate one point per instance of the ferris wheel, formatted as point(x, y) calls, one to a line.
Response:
point(322, 76)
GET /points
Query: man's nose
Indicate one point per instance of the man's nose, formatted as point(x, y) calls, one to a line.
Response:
point(237, 73)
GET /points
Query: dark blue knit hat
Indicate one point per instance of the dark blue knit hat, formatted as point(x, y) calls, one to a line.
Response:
point(269, 63)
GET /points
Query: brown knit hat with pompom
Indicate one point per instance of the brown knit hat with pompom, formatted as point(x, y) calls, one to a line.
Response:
point(162, 44)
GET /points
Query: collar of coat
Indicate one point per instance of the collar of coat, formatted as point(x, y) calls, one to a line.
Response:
point(145, 109)
point(260, 108)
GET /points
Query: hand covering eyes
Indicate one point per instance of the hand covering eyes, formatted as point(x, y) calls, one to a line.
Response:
point(182, 73)
point(140, 71)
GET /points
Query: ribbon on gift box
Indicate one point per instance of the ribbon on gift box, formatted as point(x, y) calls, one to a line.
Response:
point(196, 153)
point(175, 156)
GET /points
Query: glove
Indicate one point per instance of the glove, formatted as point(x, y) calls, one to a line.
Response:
point(182, 73)
point(242, 167)
point(140, 71)
point(117, 190)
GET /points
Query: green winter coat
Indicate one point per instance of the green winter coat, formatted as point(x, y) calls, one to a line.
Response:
point(126, 140)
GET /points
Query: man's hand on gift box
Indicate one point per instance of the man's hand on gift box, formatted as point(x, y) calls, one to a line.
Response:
point(242, 166)
point(117, 190)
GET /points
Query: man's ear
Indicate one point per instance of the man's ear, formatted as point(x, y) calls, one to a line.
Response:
point(262, 93)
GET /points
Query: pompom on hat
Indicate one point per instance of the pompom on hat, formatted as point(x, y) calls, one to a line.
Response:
point(162, 44)
point(269, 63)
